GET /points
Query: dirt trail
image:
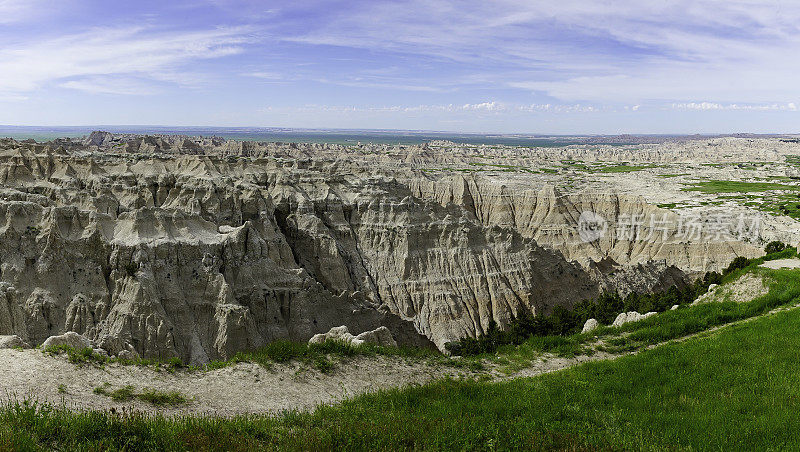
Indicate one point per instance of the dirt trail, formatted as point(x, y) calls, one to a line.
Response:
point(248, 388)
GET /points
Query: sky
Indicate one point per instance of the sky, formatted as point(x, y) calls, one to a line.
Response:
point(549, 67)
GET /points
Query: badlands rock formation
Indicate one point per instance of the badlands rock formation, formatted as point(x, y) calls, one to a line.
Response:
point(379, 336)
point(197, 248)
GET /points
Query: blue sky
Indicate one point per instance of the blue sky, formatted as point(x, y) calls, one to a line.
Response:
point(568, 67)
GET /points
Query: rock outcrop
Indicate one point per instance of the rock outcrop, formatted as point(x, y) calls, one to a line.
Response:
point(590, 325)
point(69, 339)
point(12, 341)
point(379, 336)
point(634, 232)
point(166, 246)
point(633, 316)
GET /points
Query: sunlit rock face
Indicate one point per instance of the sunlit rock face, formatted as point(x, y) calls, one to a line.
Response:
point(200, 247)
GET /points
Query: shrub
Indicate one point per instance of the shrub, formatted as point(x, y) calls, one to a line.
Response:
point(711, 278)
point(736, 264)
point(149, 395)
point(282, 351)
point(122, 394)
point(161, 398)
point(774, 247)
point(77, 356)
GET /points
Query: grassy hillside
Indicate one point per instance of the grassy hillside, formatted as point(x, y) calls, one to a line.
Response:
point(738, 388)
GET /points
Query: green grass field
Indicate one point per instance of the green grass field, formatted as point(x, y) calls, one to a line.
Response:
point(727, 186)
point(623, 168)
point(735, 389)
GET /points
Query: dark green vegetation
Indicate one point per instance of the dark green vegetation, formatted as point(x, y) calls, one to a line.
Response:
point(733, 390)
point(318, 355)
point(738, 263)
point(623, 168)
point(280, 351)
point(88, 356)
point(149, 395)
point(501, 167)
point(774, 247)
point(559, 332)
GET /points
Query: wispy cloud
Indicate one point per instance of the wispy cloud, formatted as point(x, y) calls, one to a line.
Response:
point(78, 61)
point(265, 75)
point(586, 50)
point(790, 106)
point(110, 85)
point(12, 11)
point(492, 107)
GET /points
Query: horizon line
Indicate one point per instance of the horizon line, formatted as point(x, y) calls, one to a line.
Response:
point(99, 128)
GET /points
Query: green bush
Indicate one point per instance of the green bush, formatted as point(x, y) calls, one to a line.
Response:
point(122, 394)
point(161, 398)
point(739, 262)
point(774, 247)
point(78, 356)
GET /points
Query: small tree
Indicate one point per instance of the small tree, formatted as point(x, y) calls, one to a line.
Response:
point(739, 262)
point(775, 247)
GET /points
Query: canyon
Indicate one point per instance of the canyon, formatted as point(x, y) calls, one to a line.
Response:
point(169, 246)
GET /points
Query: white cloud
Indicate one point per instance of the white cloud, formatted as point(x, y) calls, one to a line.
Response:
point(77, 60)
point(12, 11)
point(491, 107)
point(265, 75)
point(484, 106)
point(790, 106)
point(110, 85)
point(583, 50)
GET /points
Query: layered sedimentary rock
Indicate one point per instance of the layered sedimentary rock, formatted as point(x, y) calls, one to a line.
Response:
point(198, 248)
point(634, 232)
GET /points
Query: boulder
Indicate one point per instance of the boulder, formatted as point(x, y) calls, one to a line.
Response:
point(128, 355)
point(379, 336)
point(70, 339)
point(338, 333)
point(12, 342)
point(633, 316)
point(590, 325)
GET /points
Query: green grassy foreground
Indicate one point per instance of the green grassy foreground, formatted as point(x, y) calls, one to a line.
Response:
point(738, 389)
